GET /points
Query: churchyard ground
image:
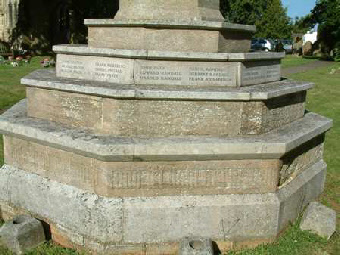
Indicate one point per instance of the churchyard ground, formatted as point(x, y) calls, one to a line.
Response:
point(323, 99)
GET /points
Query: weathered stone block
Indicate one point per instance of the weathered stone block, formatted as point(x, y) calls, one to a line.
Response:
point(86, 212)
point(122, 179)
point(150, 221)
point(319, 219)
point(168, 38)
point(301, 158)
point(169, 10)
point(22, 234)
point(196, 246)
point(297, 196)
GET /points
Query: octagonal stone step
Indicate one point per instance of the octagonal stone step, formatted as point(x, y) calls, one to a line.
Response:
point(116, 166)
point(156, 112)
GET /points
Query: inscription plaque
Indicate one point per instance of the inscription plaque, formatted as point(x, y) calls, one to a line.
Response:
point(180, 178)
point(265, 71)
point(185, 73)
point(113, 70)
point(166, 72)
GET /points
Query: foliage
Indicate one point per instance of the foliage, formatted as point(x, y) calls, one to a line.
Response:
point(243, 11)
point(303, 24)
point(57, 21)
point(327, 14)
point(337, 52)
point(275, 22)
point(85, 9)
point(269, 16)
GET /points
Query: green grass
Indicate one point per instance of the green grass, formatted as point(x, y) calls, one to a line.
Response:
point(47, 248)
point(294, 241)
point(11, 91)
point(323, 99)
point(292, 61)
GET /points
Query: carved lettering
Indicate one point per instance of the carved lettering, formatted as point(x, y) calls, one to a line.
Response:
point(180, 178)
point(255, 73)
point(72, 67)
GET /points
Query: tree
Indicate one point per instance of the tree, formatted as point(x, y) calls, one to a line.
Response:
point(327, 14)
point(275, 22)
point(269, 16)
point(303, 24)
point(243, 11)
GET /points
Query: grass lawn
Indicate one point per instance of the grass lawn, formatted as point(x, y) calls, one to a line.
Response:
point(323, 99)
point(291, 61)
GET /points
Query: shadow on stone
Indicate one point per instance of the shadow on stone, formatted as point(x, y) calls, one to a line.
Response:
point(216, 250)
point(47, 230)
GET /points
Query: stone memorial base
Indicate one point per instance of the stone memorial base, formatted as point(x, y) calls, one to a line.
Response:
point(121, 195)
point(158, 131)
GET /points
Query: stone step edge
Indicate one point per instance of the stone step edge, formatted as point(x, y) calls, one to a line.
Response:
point(84, 50)
point(178, 24)
point(274, 144)
point(90, 208)
point(47, 79)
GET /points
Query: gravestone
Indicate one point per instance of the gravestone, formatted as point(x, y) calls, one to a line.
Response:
point(307, 49)
point(164, 127)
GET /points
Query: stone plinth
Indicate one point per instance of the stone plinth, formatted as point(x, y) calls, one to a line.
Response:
point(167, 68)
point(170, 26)
point(177, 36)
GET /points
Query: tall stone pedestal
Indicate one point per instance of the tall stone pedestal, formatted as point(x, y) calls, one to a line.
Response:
point(160, 133)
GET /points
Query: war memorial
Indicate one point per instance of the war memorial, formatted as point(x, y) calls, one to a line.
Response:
point(163, 127)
